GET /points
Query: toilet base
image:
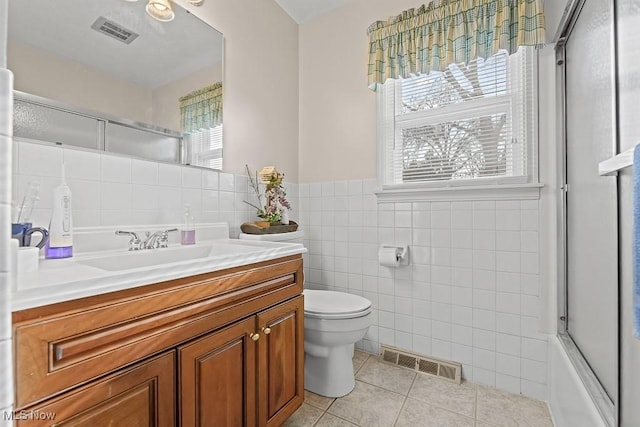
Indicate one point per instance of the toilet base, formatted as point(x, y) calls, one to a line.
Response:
point(330, 376)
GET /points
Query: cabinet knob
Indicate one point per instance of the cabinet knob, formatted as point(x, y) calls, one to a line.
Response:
point(254, 337)
point(266, 331)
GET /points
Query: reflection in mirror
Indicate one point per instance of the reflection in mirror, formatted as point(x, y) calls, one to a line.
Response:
point(106, 75)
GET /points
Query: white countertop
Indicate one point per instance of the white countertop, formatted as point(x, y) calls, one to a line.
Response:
point(71, 278)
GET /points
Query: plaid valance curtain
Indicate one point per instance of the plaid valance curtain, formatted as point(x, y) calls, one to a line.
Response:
point(451, 31)
point(201, 109)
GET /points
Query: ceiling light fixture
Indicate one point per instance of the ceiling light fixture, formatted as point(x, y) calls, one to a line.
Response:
point(193, 2)
point(160, 10)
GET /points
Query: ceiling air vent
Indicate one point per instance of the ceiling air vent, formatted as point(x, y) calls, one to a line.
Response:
point(114, 30)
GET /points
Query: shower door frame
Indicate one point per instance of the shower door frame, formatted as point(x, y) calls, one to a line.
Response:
point(605, 405)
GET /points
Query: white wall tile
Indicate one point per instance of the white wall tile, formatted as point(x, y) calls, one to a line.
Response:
point(461, 219)
point(441, 349)
point(169, 175)
point(534, 371)
point(82, 164)
point(115, 169)
point(115, 196)
point(508, 220)
point(40, 160)
point(210, 180)
point(507, 303)
point(530, 220)
point(508, 383)
point(508, 344)
point(484, 220)
point(227, 182)
point(85, 194)
point(508, 365)
point(145, 197)
point(484, 359)
point(534, 349)
point(462, 335)
point(191, 177)
point(484, 376)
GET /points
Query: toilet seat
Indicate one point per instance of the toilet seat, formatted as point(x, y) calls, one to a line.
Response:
point(334, 305)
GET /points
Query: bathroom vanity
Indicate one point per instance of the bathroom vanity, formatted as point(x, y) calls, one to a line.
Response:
point(219, 348)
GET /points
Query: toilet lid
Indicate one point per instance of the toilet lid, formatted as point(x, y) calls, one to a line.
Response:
point(334, 305)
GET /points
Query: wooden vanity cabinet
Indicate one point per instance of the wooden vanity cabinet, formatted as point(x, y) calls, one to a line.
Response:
point(254, 366)
point(219, 349)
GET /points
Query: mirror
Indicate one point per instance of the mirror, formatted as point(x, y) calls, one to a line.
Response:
point(108, 61)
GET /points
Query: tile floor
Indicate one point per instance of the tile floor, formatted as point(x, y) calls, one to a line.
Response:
point(387, 395)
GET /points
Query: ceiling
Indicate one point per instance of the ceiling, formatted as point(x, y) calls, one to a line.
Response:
point(306, 10)
point(162, 53)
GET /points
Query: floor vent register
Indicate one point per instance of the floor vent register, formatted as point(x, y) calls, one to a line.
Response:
point(447, 370)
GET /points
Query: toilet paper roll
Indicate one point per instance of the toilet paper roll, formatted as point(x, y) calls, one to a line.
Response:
point(28, 259)
point(388, 256)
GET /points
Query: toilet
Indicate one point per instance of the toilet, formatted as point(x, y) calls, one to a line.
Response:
point(333, 323)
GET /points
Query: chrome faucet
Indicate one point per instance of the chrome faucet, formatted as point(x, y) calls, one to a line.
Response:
point(134, 242)
point(159, 239)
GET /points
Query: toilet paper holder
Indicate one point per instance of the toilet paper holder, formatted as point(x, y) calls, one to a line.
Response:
point(401, 252)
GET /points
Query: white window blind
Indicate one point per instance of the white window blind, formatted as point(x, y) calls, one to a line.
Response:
point(471, 124)
point(204, 147)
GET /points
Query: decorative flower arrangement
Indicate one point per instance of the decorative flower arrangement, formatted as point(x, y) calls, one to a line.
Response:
point(273, 202)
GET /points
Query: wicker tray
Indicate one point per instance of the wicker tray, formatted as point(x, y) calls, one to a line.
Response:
point(253, 228)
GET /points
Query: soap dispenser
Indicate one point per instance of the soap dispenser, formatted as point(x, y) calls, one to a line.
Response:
point(188, 232)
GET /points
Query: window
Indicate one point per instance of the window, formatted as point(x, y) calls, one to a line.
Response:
point(204, 147)
point(469, 125)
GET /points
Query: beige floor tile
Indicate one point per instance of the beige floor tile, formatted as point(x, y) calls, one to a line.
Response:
point(329, 420)
point(368, 406)
point(386, 376)
point(305, 416)
point(505, 409)
point(459, 398)
point(359, 357)
point(318, 401)
point(417, 413)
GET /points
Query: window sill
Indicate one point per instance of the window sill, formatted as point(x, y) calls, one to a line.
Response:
point(478, 192)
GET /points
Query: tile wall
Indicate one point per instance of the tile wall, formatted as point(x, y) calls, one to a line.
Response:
point(112, 190)
point(471, 291)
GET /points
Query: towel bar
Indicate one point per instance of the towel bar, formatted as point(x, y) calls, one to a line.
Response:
point(616, 163)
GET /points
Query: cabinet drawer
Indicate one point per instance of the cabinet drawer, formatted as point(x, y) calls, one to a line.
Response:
point(64, 345)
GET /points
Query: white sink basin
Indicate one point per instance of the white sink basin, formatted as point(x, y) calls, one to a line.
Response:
point(162, 256)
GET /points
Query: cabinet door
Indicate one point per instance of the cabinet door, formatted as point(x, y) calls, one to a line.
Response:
point(280, 362)
point(217, 378)
point(140, 396)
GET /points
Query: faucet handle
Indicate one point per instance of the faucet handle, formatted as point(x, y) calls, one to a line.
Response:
point(163, 241)
point(134, 241)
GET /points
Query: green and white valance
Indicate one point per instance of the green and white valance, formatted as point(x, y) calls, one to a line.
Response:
point(201, 109)
point(451, 31)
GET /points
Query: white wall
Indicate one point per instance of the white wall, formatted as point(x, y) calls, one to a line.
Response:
point(337, 110)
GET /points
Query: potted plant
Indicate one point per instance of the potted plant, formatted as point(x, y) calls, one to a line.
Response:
point(273, 204)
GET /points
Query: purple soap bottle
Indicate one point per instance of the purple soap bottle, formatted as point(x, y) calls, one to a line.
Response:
point(188, 232)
